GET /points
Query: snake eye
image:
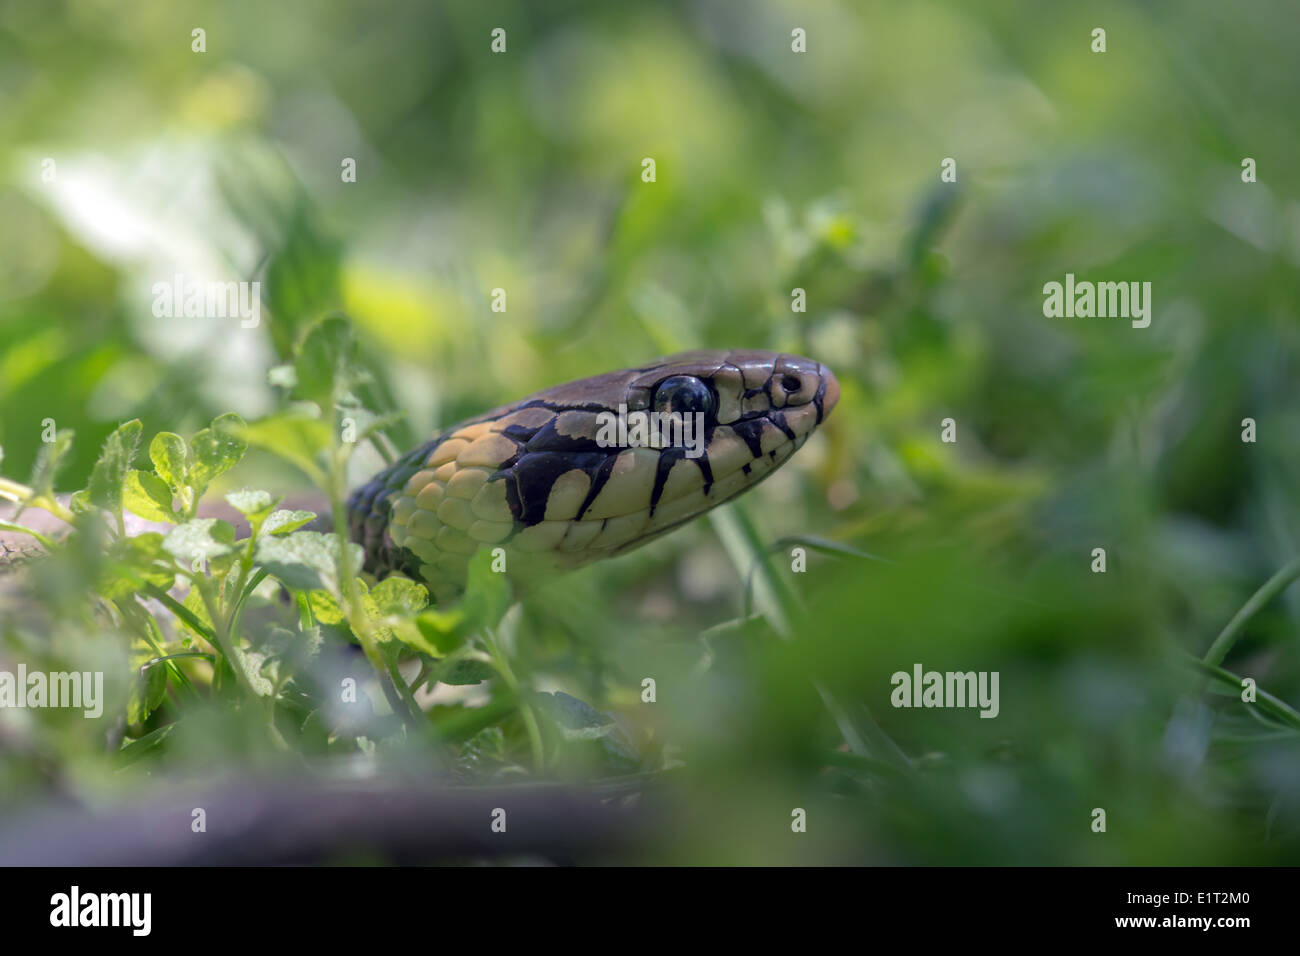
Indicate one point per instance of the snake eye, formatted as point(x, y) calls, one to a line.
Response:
point(683, 393)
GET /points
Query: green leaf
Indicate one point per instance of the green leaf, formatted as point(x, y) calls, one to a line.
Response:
point(286, 652)
point(463, 671)
point(49, 459)
point(397, 595)
point(324, 608)
point(483, 752)
point(169, 455)
point(306, 560)
point(134, 563)
point(251, 664)
point(206, 538)
point(148, 496)
point(195, 604)
point(109, 474)
point(571, 714)
point(578, 721)
point(305, 646)
point(487, 592)
point(302, 278)
point(133, 750)
point(825, 545)
point(390, 607)
point(295, 437)
point(147, 690)
point(282, 522)
point(216, 450)
point(250, 502)
point(326, 363)
point(443, 628)
point(772, 596)
point(486, 600)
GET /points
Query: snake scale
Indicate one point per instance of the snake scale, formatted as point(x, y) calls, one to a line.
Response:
point(540, 479)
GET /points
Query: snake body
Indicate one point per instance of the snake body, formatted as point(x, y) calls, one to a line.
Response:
point(540, 478)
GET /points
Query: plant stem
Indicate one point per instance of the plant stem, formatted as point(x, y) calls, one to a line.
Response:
point(233, 654)
point(1271, 589)
point(244, 593)
point(502, 664)
point(27, 497)
point(390, 679)
point(182, 612)
point(13, 490)
point(44, 540)
point(152, 635)
point(1266, 703)
point(171, 657)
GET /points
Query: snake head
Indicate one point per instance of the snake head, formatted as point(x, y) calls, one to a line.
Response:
point(570, 475)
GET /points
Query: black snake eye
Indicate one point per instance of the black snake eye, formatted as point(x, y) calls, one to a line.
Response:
point(683, 393)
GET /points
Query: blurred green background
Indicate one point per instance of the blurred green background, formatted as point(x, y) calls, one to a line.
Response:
point(775, 170)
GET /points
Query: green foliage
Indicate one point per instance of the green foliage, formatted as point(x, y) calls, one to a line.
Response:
point(49, 460)
point(305, 560)
point(108, 479)
point(249, 613)
point(776, 171)
point(486, 598)
point(214, 451)
point(147, 496)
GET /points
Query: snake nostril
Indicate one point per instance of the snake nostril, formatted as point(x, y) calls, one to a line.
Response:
point(791, 383)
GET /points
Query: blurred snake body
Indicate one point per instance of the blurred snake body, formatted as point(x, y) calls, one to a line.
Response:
point(539, 480)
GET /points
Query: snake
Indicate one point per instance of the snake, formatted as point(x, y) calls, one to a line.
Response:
point(542, 481)
point(550, 482)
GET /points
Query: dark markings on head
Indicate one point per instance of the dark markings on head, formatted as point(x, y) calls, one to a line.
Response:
point(751, 431)
point(520, 434)
point(558, 407)
point(777, 418)
point(548, 438)
point(598, 481)
point(667, 458)
point(531, 476)
point(706, 471)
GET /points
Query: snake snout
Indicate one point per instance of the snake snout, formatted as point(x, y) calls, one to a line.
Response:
point(830, 390)
point(803, 391)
